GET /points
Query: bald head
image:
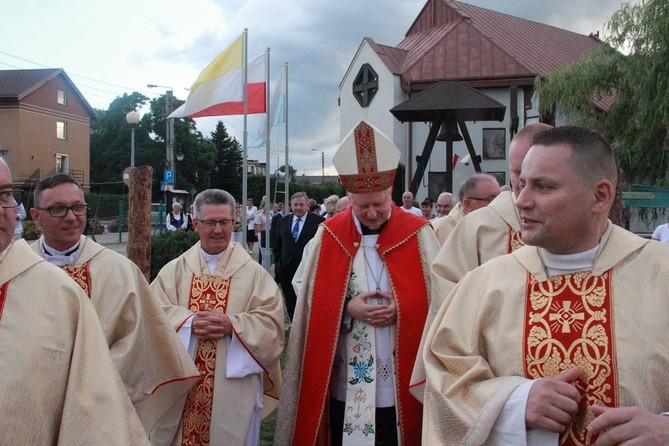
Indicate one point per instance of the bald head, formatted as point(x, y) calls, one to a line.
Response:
point(520, 144)
point(478, 191)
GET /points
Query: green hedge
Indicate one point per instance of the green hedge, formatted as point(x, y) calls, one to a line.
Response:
point(168, 246)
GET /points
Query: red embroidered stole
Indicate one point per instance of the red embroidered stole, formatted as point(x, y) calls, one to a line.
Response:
point(3, 296)
point(515, 241)
point(568, 323)
point(207, 292)
point(399, 249)
point(81, 275)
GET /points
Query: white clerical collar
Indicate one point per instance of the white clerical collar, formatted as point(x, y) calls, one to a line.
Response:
point(212, 259)
point(59, 258)
point(557, 264)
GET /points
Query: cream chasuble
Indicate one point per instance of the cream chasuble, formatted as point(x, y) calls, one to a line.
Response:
point(222, 407)
point(154, 367)
point(58, 385)
point(607, 320)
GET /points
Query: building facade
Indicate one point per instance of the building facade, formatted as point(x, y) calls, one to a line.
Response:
point(45, 125)
point(497, 54)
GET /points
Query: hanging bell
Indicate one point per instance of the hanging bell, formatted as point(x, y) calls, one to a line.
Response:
point(449, 131)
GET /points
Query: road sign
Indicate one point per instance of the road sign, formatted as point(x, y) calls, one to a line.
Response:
point(168, 176)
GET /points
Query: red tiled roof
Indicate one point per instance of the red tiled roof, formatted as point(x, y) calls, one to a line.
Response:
point(450, 40)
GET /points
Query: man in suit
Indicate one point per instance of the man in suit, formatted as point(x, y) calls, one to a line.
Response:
point(293, 232)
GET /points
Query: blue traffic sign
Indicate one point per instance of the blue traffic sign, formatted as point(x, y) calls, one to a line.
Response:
point(168, 176)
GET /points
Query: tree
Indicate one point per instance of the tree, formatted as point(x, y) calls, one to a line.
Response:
point(110, 143)
point(227, 169)
point(636, 83)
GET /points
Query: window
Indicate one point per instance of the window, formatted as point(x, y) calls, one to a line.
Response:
point(494, 144)
point(61, 130)
point(365, 85)
point(62, 97)
point(62, 163)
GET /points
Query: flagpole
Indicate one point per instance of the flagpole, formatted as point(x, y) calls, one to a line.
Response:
point(265, 258)
point(287, 170)
point(245, 142)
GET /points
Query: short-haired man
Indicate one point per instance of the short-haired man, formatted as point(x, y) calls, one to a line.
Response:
point(407, 204)
point(477, 191)
point(563, 340)
point(154, 367)
point(293, 233)
point(228, 311)
point(59, 384)
point(493, 230)
point(364, 295)
point(444, 204)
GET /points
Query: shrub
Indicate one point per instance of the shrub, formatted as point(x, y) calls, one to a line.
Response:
point(168, 246)
point(30, 230)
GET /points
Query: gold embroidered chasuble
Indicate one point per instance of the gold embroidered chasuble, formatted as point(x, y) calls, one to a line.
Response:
point(253, 302)
point(54, 362)
point(608, 320)
point(207, 293)
point(153, 365)
point(568, 323)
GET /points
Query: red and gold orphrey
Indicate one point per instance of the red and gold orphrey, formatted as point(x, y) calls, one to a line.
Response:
point(207, 292)
point(568, 323)
point(81, 275)
point(515, 242)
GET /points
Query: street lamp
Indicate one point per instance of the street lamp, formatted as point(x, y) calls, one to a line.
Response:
point(132, 118)
point(169, 131)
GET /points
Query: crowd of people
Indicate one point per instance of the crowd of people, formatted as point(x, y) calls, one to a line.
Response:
point(496, 317)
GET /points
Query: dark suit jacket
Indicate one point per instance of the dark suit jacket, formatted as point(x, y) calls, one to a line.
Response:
point(288, 253)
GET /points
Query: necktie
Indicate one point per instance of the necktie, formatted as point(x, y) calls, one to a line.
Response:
point(296, 229)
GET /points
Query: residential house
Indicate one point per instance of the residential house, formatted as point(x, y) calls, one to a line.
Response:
point(44, 125)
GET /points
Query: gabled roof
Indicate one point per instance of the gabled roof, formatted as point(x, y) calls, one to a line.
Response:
point(449, 98)
point(450, 40)
point(17, 84)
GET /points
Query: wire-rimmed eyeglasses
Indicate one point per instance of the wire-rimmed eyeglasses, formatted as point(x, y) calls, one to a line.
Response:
point(10, 199)
point(211, 223)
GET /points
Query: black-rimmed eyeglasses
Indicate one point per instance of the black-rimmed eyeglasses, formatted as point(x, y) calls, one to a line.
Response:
point(61, 211)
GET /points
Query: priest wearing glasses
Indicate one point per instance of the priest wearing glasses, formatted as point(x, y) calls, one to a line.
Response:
point(363, 299)
point(154, 367)
point(229, 314)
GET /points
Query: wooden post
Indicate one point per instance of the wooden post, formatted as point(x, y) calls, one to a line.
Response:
point(139, 218)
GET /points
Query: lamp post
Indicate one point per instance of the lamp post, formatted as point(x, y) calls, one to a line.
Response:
point(169, 130)
point(132, 118)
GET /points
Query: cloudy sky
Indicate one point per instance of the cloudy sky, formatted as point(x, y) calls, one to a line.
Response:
point(111, 48)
